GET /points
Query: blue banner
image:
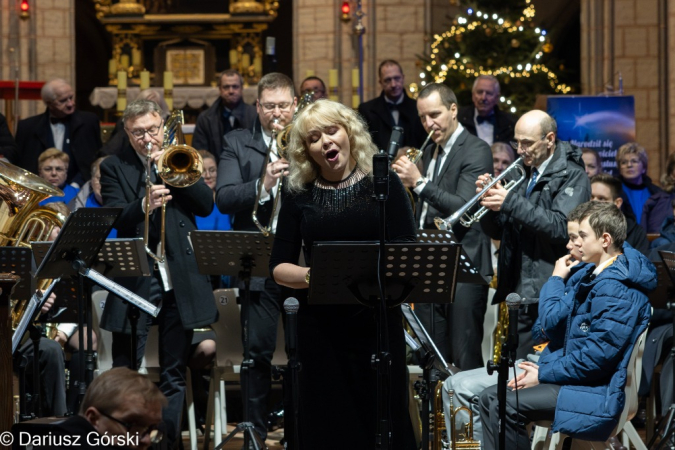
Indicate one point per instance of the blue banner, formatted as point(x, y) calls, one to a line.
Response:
point(601, 123)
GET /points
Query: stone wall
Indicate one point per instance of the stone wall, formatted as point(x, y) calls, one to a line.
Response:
point(44, 43)
point(623, 37)
point(395, 29)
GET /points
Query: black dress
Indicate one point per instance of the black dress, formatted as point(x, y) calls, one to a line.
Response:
point(335, 342)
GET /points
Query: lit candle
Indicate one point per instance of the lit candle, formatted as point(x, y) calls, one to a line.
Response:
point(145, 80)
point(124, 62)
point(136, 58)
point(168, 80)
point(246, 61)
point(121, 80)
point(355, 78)
point(257, 65)
point(333, 78)
point(234, 57)
point(112, 67)
point(309, 73)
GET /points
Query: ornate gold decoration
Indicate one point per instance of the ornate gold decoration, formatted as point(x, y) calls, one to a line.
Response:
point(125, 7)
point(246, 7)
point(102, 8)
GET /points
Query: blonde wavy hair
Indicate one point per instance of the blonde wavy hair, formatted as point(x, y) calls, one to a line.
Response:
point(319, 116)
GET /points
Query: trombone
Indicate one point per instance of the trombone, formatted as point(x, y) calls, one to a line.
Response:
point(462, 214)
point(179, 166)
point(281, 138)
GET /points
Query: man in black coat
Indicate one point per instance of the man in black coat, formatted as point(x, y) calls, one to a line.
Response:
point(185, 294)
point(484, 119)
point(531, 219)
point(240, 171)
point(228, 113)
point(451, 165)
point(393, 107)
point(78, 133)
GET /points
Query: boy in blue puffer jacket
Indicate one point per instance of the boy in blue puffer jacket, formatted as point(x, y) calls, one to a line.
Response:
point(578, 382)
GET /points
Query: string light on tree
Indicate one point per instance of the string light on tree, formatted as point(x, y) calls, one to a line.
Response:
point(490, 39)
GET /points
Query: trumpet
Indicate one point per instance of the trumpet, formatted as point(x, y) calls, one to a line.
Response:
point(462, 214)
point(179, 166)
point(415, 154)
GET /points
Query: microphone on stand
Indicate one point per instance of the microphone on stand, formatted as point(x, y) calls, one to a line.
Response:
point(513, 302)
point(394, 142)
point(291, 306)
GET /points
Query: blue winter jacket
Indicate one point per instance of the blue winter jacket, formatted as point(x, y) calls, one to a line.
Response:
point(605, 317)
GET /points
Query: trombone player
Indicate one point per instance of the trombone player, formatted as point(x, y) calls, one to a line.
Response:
point(451, 165)
point(185, 294)
point(241, 171)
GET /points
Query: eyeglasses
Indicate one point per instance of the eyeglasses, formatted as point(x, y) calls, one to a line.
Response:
point(525, 145)
point(139, 133)
point(628, 162)
point(270, 107)
point(152, 431)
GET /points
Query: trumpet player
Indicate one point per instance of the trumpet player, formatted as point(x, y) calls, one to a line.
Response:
point(240, 171)
point(451, 164)
point(531, 219)
point(185, 294)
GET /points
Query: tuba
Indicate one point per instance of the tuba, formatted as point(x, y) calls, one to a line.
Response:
point(281, 138)
point(23, 220)
point(179, 166)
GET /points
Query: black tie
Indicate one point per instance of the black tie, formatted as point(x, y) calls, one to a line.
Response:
point(227, 125)
point(439, 159)
point(489, 119)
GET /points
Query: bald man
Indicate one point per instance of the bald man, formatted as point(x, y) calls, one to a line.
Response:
point(77, 133)
point(531, 220)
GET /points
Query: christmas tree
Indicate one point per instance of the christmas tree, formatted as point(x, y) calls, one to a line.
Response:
point(494, 37)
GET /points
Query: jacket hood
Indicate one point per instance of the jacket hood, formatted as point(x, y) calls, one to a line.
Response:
point(633, 269)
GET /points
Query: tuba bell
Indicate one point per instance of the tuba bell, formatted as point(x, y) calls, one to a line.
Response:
point(23, 220)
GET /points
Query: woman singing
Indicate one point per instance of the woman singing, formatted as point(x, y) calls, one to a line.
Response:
point(330, 198)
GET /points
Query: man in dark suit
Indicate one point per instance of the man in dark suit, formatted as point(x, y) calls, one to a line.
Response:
point(185, 294)
point(315, 86)
point(393, 107)
point(78, 133)
point(228, 113)
point(240, 171)
point(484, 119)
point(451, 165)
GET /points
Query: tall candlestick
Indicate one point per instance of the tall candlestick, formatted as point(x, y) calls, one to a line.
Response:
point(246, 61)
point(112, 67)
point(124, 62)
point(121, 80)
point(333, 84)
point(355, 78)
point(257, 65)
point(145, 80)
point(136, 58)
point(309, 73)
point(168, 80)
point(234, 58)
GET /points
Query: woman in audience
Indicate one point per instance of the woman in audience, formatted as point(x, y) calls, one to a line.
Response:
point(592, 161)
point(649, 203)
point(668, 178)
point(502, 157)
point(216, 220)
point(53, 167)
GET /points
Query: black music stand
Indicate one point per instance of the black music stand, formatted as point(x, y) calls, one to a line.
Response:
point(123, 257)
point(243, 254)
point(347, 273)
point(429, 357)
point(73, 253)
point(665, 430)
point(18, 261)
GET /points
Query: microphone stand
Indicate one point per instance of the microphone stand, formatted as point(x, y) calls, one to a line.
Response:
point(507, 359)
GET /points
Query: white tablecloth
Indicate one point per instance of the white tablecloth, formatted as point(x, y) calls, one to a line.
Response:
point(192, 97)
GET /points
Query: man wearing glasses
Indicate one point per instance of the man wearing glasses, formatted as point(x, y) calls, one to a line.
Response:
point(121, 409)
point(315, 86)
point(531, 220)
point(228, 113)
point(392, 108)
point(185, 295)
point(240, 171)
point(77, 133)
